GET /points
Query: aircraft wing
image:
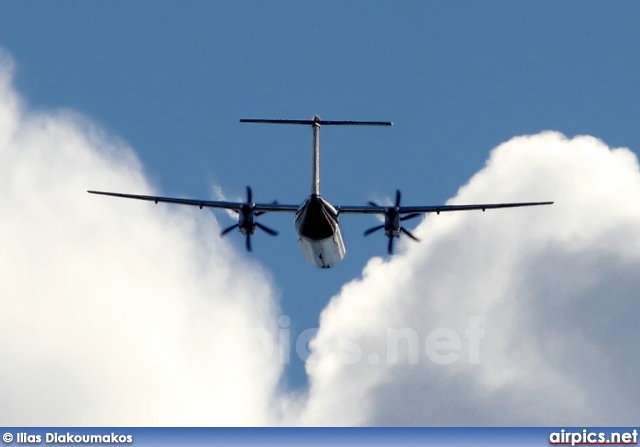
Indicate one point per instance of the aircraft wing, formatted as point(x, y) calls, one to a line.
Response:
point(272, 207)
point(432, 209)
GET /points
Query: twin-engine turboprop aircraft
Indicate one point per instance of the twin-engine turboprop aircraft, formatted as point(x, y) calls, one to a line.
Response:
point(316, 220)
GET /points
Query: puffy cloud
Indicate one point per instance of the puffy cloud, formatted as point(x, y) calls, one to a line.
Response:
point(114, 312)
point(510, 317)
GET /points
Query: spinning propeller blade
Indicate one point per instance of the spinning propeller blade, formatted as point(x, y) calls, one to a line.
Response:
point(408, 233)
point(226, 230)
point(391, 226)
point(266, 229)
point(373, 229)
point(246, 220)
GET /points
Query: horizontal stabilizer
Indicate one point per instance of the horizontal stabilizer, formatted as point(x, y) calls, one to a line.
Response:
point(318, 121)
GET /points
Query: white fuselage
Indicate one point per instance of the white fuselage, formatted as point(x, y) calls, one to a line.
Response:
point(316, 220)
point(318, 231)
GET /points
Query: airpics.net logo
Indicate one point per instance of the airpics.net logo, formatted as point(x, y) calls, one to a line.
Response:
point(592, 437)
point(441, 346)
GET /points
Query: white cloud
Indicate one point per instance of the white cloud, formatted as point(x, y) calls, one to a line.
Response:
point(555, 290)
point(116, 312)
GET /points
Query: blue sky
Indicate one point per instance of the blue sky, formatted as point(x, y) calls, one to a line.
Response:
point(456, 78)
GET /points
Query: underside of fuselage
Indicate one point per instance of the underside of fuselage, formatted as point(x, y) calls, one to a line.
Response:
point(319, 234)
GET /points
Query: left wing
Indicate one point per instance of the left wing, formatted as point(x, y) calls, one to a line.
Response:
point(377, 209)
point(203, 203)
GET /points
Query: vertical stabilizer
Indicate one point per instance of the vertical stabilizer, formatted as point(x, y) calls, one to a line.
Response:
point(316, 122)
point(315, 163)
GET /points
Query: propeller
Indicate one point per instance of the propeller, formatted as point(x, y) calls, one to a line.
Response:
point(392, 226)
point(373, 230)
point(246, 220)
point(226, 230)
point(266, 229)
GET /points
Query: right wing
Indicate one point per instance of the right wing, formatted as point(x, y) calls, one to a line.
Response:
point(432, 208)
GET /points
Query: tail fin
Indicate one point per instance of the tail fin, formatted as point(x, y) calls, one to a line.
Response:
point(316, 122)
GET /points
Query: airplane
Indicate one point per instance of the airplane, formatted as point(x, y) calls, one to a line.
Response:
point(316, 220)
